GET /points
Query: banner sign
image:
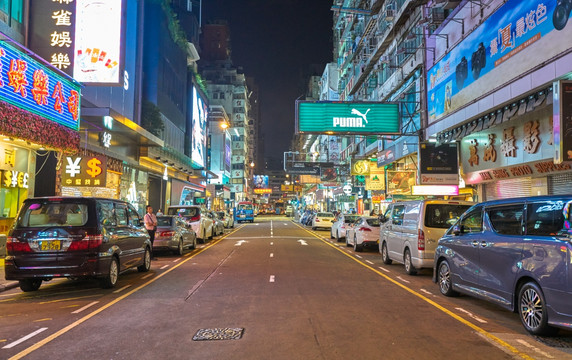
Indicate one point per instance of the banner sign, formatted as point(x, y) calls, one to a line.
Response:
point(85, 171)
point(28, 84)
point(324, 117)
point(399, 182)
point(302, 168)
point(519, 36)
point(360, 167)
point(261, 181)
point(562, 121)
point(406, 145)
point(438, 164)
point(262, 191)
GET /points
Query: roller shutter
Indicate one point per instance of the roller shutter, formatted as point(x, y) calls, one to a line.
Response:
point(560, 184)
point(510, 188)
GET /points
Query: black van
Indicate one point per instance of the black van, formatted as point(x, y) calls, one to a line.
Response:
point(75, 237)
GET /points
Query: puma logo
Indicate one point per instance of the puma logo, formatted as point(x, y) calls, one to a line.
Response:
point(364, 116)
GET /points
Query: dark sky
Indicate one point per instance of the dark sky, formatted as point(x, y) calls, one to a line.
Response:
point(276, 41)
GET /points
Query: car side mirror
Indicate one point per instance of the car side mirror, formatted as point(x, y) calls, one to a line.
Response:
point(458, 230)
point(382, 219)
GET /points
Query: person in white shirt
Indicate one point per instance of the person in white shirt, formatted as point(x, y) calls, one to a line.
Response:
point(151, 225)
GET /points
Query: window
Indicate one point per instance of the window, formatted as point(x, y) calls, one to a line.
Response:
point(507, 220)
point(121, 214)
point(134, 218)
point(106, 213)
point(545, 218)
point(473, 221)
point(443, 216)
point(397, 215)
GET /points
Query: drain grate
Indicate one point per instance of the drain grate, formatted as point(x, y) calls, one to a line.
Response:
point(556, 342)
point(219, 334)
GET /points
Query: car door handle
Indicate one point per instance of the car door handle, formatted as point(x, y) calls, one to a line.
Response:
point(475, 243)
point(484, 244)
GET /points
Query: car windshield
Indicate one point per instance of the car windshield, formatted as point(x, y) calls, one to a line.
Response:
point(245, 207)
point(164, 221)
point(49, 213)
point(373, 222)
point(443, 216)
point(185, 212)
point(328, 215)
point(221, 214)
point(348, 219)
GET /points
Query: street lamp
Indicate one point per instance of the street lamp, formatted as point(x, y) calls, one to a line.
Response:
point(224, 125)
point(252, 164)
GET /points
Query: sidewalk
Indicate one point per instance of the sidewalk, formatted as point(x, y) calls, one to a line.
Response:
point(5, 284)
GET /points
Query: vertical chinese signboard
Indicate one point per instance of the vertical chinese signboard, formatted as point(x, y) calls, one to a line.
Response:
point(83, 38)
point(562, 121)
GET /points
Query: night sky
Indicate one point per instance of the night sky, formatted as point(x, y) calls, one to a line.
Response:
point(276, 42)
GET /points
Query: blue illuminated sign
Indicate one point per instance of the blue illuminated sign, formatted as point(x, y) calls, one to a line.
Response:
point(27, 84)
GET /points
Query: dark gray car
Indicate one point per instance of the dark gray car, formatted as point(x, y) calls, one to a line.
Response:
point(515, 253)
point(175, 234)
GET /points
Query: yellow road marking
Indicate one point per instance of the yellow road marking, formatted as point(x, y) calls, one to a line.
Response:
point(478, 329)
point(59, 333)
point(3, 340)
point(67, 299)
point(40, 320)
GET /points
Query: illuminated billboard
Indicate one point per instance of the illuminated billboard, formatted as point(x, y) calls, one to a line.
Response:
point(519, 36)
point(30, 85)
point(199, 126)
point(98, 35)
point(260, 181)
point(325, 117)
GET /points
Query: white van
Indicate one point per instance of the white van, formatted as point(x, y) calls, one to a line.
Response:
point(410, 230)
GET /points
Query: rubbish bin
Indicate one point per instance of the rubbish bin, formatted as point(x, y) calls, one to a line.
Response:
point(2, 245)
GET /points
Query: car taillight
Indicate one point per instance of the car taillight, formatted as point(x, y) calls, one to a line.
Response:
point(317, 220)
point(364, 229)
point(342, 226)
point(420, 240)
point(195, 218)
point(166, 233)
point(14, 245)
point(88, 242)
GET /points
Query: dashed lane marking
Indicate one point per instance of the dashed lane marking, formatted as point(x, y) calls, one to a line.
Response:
point(471, 315)
point(123, 288)
point(29, 336)
point(383, 269)
point(164, 267)
point(402, 279)
point(369, 262)
point(272, 278)
point(147, 276)
point(45, 319)
point(271, 254)
point(85, 307)
point(426, 292)
point(534, 348)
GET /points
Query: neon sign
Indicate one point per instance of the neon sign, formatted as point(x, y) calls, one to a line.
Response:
point(29, 85)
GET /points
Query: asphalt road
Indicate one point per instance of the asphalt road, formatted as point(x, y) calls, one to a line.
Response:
point(268, 290)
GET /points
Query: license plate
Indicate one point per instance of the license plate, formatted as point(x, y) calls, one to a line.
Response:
point(50, 245)
point(242, 216)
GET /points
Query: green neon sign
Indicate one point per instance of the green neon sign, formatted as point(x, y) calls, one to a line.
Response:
point(325, 117)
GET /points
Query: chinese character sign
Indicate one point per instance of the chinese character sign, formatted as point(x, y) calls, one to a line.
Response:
point(519, 36)
point(84, 171)
point(28, 84)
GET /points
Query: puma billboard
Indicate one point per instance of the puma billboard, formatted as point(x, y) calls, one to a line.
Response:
point(349, 118)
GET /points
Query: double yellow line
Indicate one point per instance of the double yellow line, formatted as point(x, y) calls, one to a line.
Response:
point(478, 329)
point(59, 333)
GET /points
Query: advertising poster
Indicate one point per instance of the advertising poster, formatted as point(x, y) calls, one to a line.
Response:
point(260, 181)
point(199, 125)
point(519, 36)
point(400, 182)
point(562, 119)
point(328, 174)
point(438, 164)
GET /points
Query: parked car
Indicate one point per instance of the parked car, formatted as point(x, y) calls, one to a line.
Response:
point(175, 234)
point(289, 211)
point(411, 230)
point(304, 217)
point(218, 225)
point(196, 216)
point(323, 220)
point(364, 232)
point(340, 226)
point(226, 218)
point(516, 253)
point(75, 237)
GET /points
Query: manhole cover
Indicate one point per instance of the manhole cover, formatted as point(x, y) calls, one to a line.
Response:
point(558, 342)
point(219, 334)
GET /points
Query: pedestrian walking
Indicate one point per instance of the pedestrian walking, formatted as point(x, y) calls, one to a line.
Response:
point(151, 225)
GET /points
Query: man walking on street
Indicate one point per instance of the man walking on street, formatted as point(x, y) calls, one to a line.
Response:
point(151, 225)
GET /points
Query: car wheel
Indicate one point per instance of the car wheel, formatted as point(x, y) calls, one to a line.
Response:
point(194, 244)
point(212, 233)
point(357, 247)
point(385, 254)
point(110, 280)
point(347, 242)
point(180, 248)
point(146, 262)
point(532, 310)
point(28, 285)
point(409, 269)
point(444, 279)
point(331, 235)
point(204, 238)
point(338, 236)
point(313, 228)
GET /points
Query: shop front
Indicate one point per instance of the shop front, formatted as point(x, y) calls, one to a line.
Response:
point(39, 122)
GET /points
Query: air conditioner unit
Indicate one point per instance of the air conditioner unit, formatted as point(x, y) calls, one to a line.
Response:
point(437, 16)
point(389, 14)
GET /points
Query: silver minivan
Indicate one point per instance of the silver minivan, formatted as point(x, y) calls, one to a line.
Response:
point(411, 229)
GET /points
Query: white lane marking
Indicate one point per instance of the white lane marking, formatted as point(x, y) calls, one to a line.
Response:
point(11, 345)
point(87, 306)
point(471, 315)
point(164, 267)
point(147, 276)
point(271, 229)
point(369, 262)
point(239, 243)
point(426, 292)
point(271, 254)
point(271, 243)
point(285, 224)
point(358, 256)
point(383, 269)
point(257, 224)
point(123, 288)
point(302, 242)
point(272, 278)
point(402, 279)
point(532, 347)
point(263, 237)
point(176, 260)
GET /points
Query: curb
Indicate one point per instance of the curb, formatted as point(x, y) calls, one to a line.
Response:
point(8, 285)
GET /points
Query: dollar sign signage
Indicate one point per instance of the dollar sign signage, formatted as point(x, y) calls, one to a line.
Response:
point(85, 171)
